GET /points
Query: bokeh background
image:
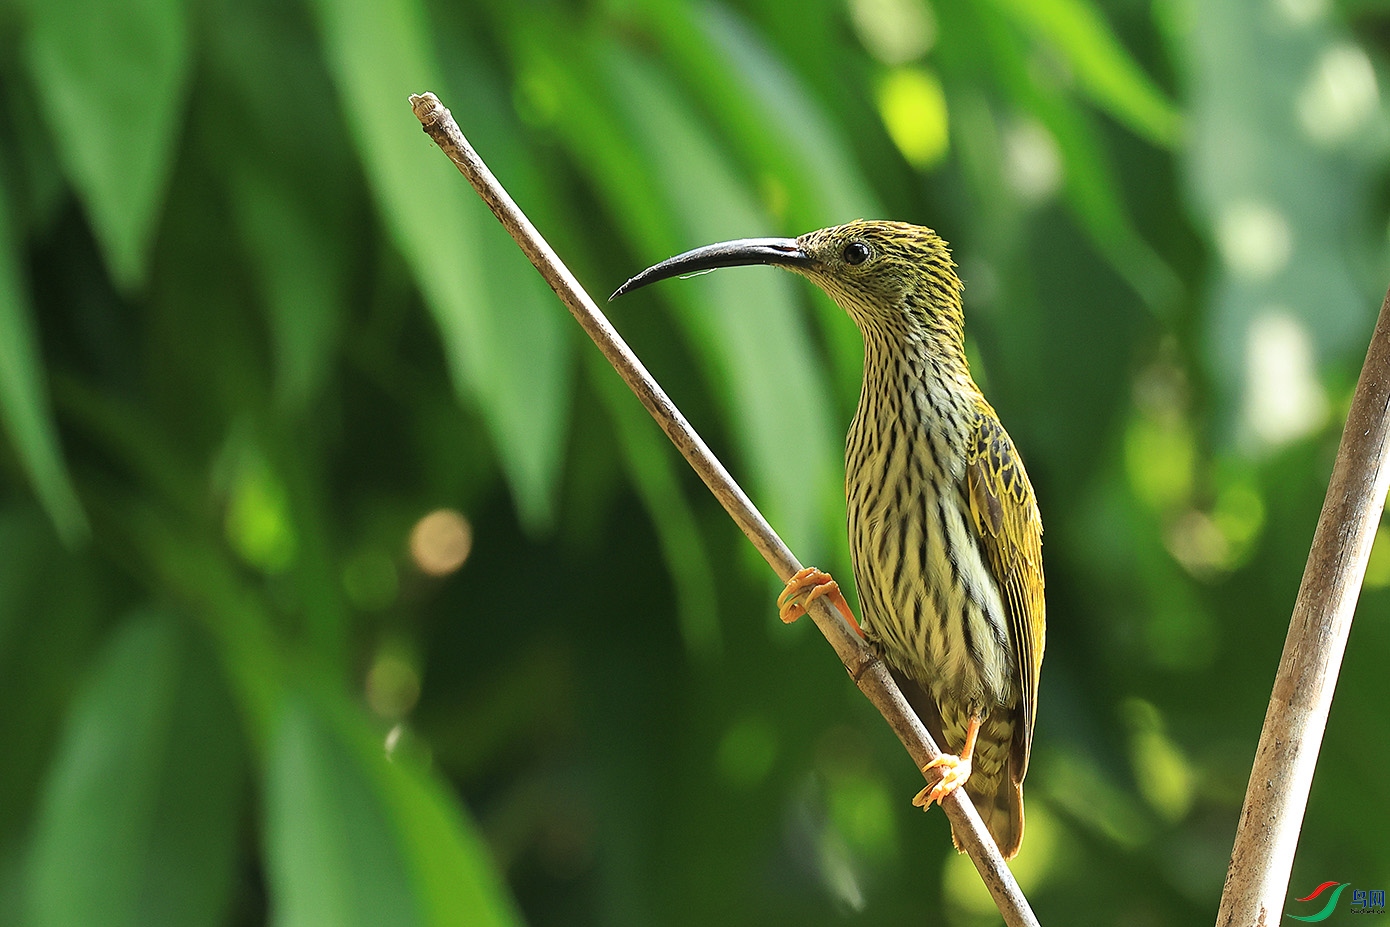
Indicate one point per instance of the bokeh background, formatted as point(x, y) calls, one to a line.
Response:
point(341, 582)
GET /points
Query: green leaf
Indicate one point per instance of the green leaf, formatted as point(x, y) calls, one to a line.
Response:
point(294, 201)
point(651, 464)
point(1093, 189)
point(808, 174)
point(138, 822)
point(356, 838)
point(299, 264)
point(505, 339)
point(1286, 157)
point(30, 162)
point(42, 659)
point(24, 404)
point(1091, 185)
point(568, 75)
point(1103, 67)
point(672, 188)
point(112, 79)
point(778, 128)
point(745, 322)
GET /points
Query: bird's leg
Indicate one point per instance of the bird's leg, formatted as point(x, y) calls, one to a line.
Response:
point(812, 584)
point(954, 769)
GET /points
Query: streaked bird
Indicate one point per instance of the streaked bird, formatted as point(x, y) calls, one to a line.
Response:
point(945, 536)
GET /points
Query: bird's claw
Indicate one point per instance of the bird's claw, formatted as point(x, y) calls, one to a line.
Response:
point(954, 770)
point(809, 583)
point(805, 587)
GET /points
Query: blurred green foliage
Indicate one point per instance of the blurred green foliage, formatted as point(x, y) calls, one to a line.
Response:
point(254, 328)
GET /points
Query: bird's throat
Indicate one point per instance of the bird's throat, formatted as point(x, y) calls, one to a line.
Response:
point(915, 397)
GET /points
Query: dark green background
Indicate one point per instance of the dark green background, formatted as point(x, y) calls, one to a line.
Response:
point(253, 327)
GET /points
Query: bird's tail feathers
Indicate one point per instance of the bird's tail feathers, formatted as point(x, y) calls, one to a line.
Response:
point(1002, 811)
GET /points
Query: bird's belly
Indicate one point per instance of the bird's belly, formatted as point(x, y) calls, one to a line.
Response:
point(930, 601)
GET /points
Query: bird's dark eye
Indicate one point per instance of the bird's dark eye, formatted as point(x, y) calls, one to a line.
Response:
point(856, 252)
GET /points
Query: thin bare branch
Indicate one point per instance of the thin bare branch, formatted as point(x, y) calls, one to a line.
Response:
point(864, 667)
point(1277, 796)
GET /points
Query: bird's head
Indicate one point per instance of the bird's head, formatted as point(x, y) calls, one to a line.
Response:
point(891, 277)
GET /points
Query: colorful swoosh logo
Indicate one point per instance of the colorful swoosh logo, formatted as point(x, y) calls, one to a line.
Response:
point(1326, 911)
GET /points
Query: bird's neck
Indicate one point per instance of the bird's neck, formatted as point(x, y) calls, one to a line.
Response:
point(921, 382)
point(899, 361)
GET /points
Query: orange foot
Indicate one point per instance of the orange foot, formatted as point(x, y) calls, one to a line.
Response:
point(807, 586)
point(954, 770)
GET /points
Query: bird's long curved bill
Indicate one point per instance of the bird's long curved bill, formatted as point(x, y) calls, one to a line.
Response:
point(781, 251)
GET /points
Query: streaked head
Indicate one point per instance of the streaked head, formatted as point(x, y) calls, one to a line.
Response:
point(887, 275)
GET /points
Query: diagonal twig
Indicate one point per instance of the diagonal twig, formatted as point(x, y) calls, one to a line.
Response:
point(868, 672)
point(1277, 795)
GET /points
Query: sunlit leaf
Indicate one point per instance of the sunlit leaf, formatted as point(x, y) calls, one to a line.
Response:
point(138, 823)
point(913, 106)
point(505, 339)
point(24, 406)
point(257, 520)
point(354, 837)
point(112, 79)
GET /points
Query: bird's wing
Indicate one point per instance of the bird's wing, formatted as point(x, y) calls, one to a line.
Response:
point(1006, 516)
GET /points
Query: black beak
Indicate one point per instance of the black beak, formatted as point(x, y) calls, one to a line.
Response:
point(784, 252)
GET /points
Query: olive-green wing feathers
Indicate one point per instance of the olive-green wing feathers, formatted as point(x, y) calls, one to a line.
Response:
point(1006, 517)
